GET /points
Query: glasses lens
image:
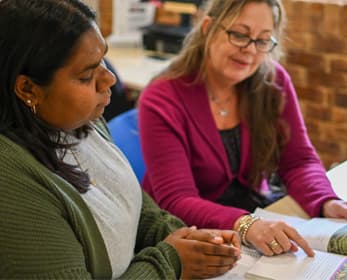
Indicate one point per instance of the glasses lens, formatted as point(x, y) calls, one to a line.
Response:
point(242, 40)
point(238, 39)
point(264, 45)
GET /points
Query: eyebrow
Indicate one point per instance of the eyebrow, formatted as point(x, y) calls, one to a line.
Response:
point(249, 29)
point(94, 65)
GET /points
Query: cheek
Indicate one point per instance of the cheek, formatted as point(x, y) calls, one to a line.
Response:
point(69, 110)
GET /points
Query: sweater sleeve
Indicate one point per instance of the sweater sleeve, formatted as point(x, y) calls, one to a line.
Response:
point(154, 259)
point(36, 240)
point(300, 167)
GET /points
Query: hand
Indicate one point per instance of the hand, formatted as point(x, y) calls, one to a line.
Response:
point(205, 253)
point(276, 237)
point(227, 238)
point(335, 209)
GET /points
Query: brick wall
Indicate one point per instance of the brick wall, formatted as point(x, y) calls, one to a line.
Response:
point(316, 47)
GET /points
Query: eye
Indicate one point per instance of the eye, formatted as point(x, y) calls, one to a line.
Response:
point(86, 79)
point(263, 42)
point(238, 36)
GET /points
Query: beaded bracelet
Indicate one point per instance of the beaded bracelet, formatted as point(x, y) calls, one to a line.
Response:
point(244, 225)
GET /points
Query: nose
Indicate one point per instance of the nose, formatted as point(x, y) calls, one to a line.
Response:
point(106, 79)
point(250, 47)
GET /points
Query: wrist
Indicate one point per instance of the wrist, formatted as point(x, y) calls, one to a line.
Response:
point(243, 225)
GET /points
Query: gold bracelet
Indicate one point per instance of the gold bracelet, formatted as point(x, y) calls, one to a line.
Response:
point(244, 225)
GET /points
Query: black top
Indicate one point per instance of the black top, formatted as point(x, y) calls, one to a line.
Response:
point(231, 140)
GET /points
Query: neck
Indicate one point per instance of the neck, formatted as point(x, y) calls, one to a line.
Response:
point(219, 89)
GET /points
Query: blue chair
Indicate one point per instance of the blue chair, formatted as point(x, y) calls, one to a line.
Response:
point(125, 133)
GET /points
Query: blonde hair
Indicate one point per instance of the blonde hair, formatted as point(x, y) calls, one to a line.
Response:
point(193, 56)
point(260, 100)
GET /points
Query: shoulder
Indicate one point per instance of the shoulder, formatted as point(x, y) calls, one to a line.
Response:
point(282, 75)
point(163, 86)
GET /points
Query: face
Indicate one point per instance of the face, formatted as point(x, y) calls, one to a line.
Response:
point(80, 90)
point(234, 64)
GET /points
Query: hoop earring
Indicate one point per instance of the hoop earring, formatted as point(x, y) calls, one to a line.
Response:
point(32, 107)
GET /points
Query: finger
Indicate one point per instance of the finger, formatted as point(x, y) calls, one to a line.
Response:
point(213, 260)
point(183, 232)
point(275, 247)
point(284, 241)
point(301, 242)
point(206, 236)
point(221, 250)
point(232, 238)
point(262, 246)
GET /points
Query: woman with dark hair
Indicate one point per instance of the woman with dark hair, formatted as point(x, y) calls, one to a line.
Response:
point(224, 119)
point(71, 207)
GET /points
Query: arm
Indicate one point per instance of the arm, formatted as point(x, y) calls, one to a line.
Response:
point(154, 259)
point(182, 165)
point(167, 250)
point(300, 167)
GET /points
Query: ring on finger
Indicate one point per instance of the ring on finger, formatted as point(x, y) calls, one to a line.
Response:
point(274, 244)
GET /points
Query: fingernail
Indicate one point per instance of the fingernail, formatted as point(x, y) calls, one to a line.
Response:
point(217, 237)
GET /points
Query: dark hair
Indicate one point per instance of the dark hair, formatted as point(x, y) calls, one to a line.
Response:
point(37, 37)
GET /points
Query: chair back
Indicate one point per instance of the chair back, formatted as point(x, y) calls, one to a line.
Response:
point(125, 133)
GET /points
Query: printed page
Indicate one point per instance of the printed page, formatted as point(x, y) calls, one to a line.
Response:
point(299, 266)
point(268, 215)
point(319, 231)
point(248, 258)
point(322, 234)
point(337, 177)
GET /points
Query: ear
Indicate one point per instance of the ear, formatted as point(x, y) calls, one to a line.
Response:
point(25, 90)
point(205, 24)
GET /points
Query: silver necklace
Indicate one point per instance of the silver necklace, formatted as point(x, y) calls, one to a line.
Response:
point(73, 152)
point(222, 111)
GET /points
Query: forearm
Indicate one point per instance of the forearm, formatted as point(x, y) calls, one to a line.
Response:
point(159, 262)
point(155, 224)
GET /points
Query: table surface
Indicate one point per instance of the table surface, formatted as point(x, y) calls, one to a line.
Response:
point(338, 179)
point(135, 66)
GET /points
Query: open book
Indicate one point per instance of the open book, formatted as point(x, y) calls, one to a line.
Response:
point(324, 236)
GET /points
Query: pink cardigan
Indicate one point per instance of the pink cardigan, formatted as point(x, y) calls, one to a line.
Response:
point(187, 166)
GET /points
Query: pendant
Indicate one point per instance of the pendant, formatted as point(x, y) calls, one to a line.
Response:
point(223, 113)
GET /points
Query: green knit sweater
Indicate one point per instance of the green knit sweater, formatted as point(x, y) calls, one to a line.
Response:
point(48, 232)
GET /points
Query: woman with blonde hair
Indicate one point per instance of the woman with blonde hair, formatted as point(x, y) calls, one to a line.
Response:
point(222, 120)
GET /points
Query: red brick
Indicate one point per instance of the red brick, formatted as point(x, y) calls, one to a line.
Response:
point(326, 43)
point(307, 59)
point(331, 20)
point(318, 112)
point(315, 95)
point(341, 99)
point(334, 80)
point(328, 146)
point(339, 64)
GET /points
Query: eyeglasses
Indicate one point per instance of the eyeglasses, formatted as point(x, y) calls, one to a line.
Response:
point(241, 40)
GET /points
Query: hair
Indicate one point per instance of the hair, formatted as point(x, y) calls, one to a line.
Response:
point(260, 98)
point(37, 37)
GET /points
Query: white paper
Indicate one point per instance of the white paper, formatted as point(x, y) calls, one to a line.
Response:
point(248, 258)
point(318, 231)
point(297, 266)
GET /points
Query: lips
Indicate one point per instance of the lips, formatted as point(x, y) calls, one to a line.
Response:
point(241, 62)
point(108, 98)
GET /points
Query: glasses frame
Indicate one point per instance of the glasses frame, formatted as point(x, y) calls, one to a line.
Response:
point(250, 41)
